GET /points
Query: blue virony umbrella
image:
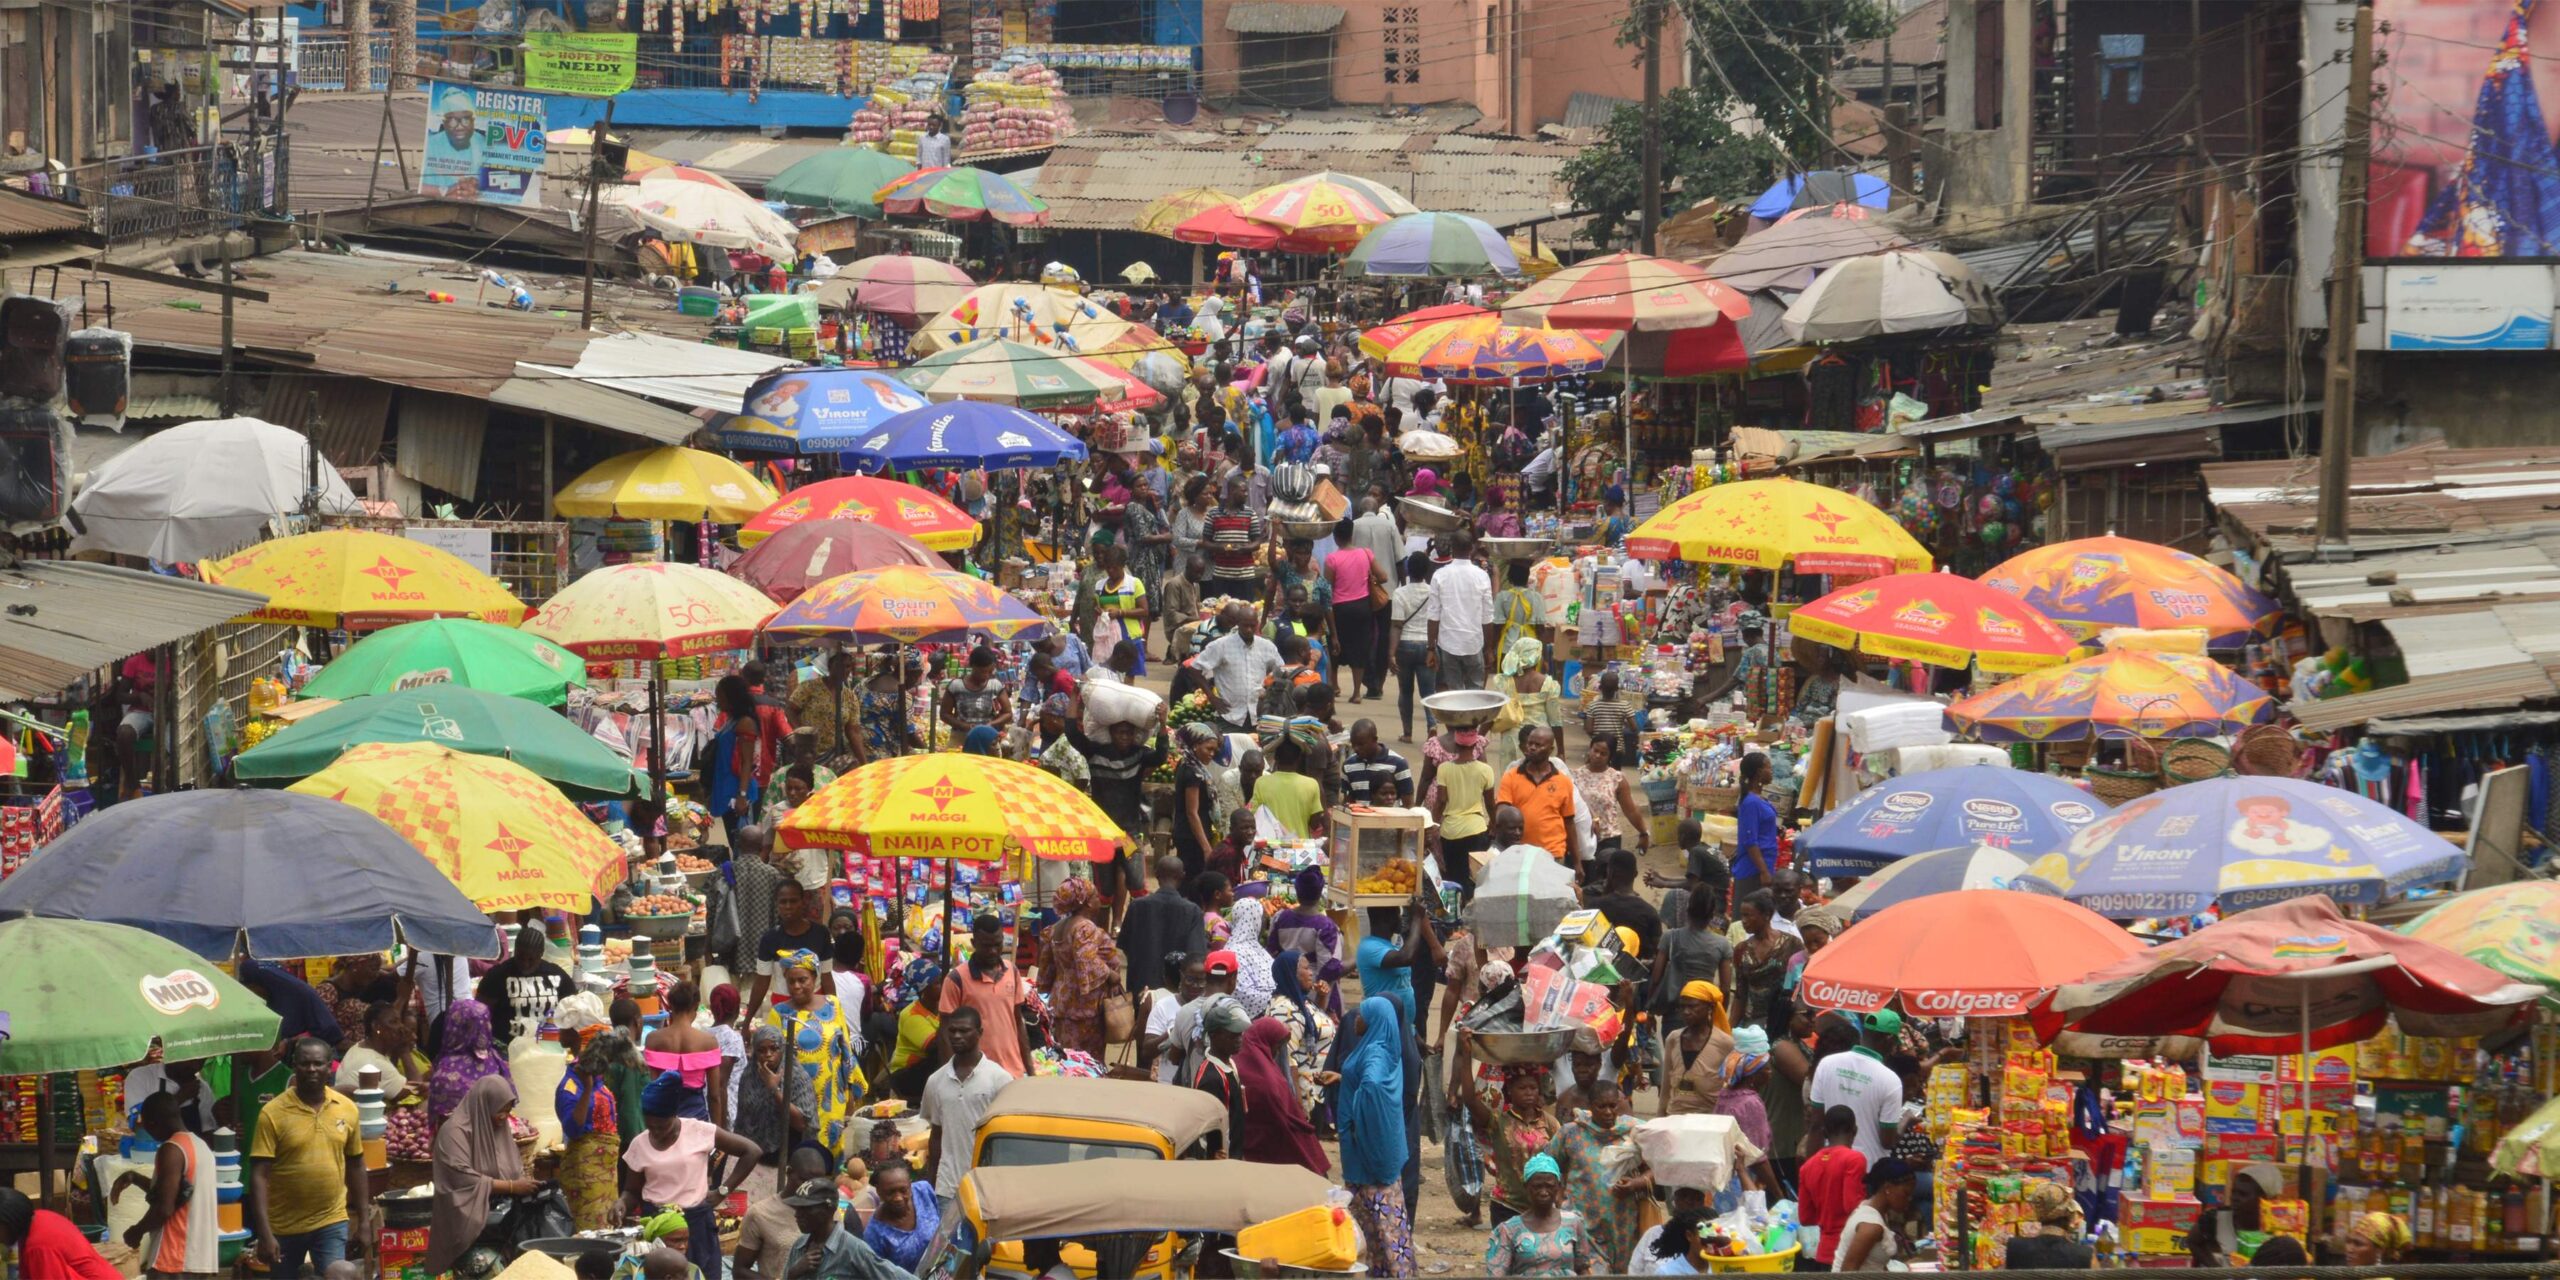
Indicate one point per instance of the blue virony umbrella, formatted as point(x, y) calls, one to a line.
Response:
point(1872, 191)
point(2028, 814)
point(816, 410)
point(961, 433)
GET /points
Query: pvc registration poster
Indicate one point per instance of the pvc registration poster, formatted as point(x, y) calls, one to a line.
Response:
point(484, 145)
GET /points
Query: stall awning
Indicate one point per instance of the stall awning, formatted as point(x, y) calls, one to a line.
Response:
point(62, 619)
point(1265, 18)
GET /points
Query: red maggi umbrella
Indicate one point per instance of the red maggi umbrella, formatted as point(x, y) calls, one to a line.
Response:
point(1985, 953)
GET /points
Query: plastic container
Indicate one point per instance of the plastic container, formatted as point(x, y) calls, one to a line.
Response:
point(1319, 1236)
point(1252, 1269)
point(697, 300)
point(1783, 1260)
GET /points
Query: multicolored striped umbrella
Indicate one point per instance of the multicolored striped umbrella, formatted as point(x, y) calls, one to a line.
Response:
point(1432, 244)
point(2150, 695)
point(1333, 208)
point(1938, 618)
point(963, 194)
point(2513, 928)
point(1165, 212)
point(905, 286)
point(1003, 372)
point(1629, 291)
point(628, 612)
point(1484, 350)
point(892, 504)
point(1226, 227)
point(905, 604)
point(1377, 340)
point(2089, 584)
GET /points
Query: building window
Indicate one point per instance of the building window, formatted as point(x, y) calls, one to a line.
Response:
point(1403, 40)
point(1492, 27)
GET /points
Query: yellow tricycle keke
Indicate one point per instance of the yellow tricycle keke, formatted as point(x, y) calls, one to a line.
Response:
point(1062, 1120)
point(1134, 1218)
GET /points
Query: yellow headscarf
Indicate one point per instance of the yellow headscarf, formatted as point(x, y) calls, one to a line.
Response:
point(2384, 1231)
point(1710, 995)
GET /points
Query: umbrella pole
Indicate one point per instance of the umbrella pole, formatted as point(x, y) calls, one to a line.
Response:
point(44, 1140)
point(657, 734)
point(2302, 1086)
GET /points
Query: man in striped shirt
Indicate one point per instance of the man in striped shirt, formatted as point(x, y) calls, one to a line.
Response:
point(1608, 717)
point(1234, 540)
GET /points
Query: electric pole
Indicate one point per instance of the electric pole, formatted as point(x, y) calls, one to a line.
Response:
point(595, 182)
point(1649, 13)
point(2346, 303)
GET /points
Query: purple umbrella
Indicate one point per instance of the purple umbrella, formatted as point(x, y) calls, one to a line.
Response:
point(1433, 244)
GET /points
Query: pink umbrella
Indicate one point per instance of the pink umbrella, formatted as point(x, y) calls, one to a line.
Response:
point(801, 556)
point(909, 286)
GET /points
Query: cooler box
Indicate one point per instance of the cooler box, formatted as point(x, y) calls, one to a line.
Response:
point(1319, 1236)
point(782, 311)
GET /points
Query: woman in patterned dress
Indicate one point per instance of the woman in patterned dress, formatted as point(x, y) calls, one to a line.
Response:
point(1608, 1200)
point(819, 1032)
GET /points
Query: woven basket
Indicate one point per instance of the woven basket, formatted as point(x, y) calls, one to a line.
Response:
point(2193, 760)
point(2073, 754)
point(2266, 751)
point(2120, 786)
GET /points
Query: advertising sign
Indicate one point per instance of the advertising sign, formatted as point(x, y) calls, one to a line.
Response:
point(484, 144)
point(2463, 159)
point(596, 64)
point(2467, 307)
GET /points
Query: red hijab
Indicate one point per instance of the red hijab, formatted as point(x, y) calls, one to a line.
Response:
point(1280, 1132)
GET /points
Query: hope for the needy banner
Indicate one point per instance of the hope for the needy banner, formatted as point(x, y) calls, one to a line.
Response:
point(597, 64)
point(484, 144)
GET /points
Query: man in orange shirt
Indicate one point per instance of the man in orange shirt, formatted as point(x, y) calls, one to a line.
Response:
point(1543, 794)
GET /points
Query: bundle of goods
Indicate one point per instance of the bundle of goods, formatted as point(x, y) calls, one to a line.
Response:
point(986, 38)
point(1013, 105)
point(1108, 57)
point(893, 120)
point(1992, 1153)
point(1561, 996)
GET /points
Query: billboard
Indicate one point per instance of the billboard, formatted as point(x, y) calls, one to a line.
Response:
point(484, 144)
point(595, 64)
point(2504, 306)
point(2464, 163)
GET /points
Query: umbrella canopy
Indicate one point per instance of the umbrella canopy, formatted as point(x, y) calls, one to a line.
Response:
point(1124, 390)
point(2297, 975)
point(280, 875)
point(669, 171)
point(1788, 256)
point(2089, 584)
point(841, 180)
point(666, 484)
point(699, 213)
point(953, 806)
point(1225, 226)
point(85, 995)
point(962, 194)
point(507, 838)
point(973, 433)
point(803, 555)
point(1004, 373)
point(1138, 273)
point(905, 604)
point(1628, 291)
point(1764, 524)
point(1378, 339)
point(2121, 693)
point(816, 410)
point(1484, 350)
point(1335, 209)
point(1981, 953)
point(1521, 897)
point(1925, 875)
point(456, 651)
point(626, 612)
point(1938, 618)
point(1165, 211)
point(1867, 189)
point(2513, 928)
point(905, 286)
point(1968, 805)
point(1900, 291)
point(1536, 262)
point(466, 720)
point(1432, 244)
point(357, 579)
point(204, 489)
point(1023, 311)
point(2531, 1149)
point(891, 504)
point(2244, 842)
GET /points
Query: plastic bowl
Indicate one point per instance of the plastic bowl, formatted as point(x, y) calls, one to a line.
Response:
point(667, 928)
point(1464, 708)
point(1520, 1048)
point(1422, 513)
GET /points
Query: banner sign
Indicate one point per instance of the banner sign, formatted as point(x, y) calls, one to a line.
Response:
point(484, 144)
point(598, 64)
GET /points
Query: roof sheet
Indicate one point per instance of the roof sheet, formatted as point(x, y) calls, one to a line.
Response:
point(2424, 497)
point(66, 618)
point(25, 215)
point(1101, 180)
point(670, 369)
point(1272, 18)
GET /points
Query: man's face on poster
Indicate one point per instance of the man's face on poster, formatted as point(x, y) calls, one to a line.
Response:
point(459, 127)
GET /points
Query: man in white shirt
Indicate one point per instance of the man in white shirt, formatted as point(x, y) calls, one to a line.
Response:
point(956, 1098)
point(1540, 475)
point(1860, 1081)
point(182, 1078)
point(1301, 370)
point(933, 150)
point(1238, 662)
point(1461, 615)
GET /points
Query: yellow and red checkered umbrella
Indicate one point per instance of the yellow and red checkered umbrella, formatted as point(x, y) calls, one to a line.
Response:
point(507, 838)
point(905, 604)
point(949, 805)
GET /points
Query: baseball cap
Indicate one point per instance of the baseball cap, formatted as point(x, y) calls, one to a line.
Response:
point(1885, 1022)
point(816, 1193)
point(1219, 962)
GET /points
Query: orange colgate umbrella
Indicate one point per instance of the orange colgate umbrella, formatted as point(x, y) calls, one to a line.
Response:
point(1937, 618)
point(1984, 953)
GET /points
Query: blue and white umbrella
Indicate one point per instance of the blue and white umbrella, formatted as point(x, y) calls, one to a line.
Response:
point(816, 410)
point(1940, 871)
point(2241, 843)
point(2028, 814)
point(962, 433)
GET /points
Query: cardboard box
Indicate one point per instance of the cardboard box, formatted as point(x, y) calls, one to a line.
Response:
point(403, 1241)
point(2171, 1173)
point(2134, 1213)
point(2232, 1106)
point(2157, 1240)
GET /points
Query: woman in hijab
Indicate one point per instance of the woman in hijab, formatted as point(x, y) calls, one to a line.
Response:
point(1693, 1055)
point(591, 1123)
point(1426, 484)
point(2056, 1243)
point(1280, 1132)
point(1745, 1067)
point(1309, 1027)
point(1306, 929)
point(1525, 679)
point(819, 1032)
point(1079, 967)
point(476, 1159)
point(775, 1099)
point(1254, 986)
point(1372, 1120)
point(468, 1058)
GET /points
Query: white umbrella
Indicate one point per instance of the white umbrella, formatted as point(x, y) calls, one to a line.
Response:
point(699, 213)
point(1904, 291)
point(204, 489)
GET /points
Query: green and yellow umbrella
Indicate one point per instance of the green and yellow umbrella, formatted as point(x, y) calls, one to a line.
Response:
point(2512, 928)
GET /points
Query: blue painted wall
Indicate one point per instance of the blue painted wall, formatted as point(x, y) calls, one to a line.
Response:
point(708, 109)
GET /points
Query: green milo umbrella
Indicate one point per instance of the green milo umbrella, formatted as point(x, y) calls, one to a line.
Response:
point(460, 651)
point(839, 179)
point(86, 996)
point(466, 720)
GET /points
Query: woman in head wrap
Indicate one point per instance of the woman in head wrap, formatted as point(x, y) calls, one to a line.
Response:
point(1693, 1056)
point(981, 741)
point(775, 1100)
point(591, 1123)
point(1426, 484)
point(1372, 1120)
point(476, 1159)
point(667, 1232)
point(1545, 1238)
point(1524, 678)
point(1279, 1131)
point(1309, 1027)
point(1307, 930)
point(1512, 1119)
point(818, 1030)
point(2056, 1244)
point(1080, 965)
point(669, 1167)
point(467, 1059)
point(1254, 984)
point(1609, 1202)
point(2375, 1239)
point(1744, 1070)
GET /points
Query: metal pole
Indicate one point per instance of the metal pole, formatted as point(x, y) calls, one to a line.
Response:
point(595, 181)
point(2346, 306)
point(1651, 217)
point(229, 303)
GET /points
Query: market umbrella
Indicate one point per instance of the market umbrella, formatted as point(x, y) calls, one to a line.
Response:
point(1938, 618)
point(1678, 322)
point(2296, 976)
point(816, 410)
point(275, 875)
point(669, 171)
point(962, 194)
point(1335, 209)
point(2121, 693)
point(2013, 809)
point(1899, 291)
point(892, 504)
point(803, 555)
point(839, 179)
point(1378, 339)
point(1483, 350)
point(1163, 212)
point(1124, 391)
point(1766, 524)
point(2512, 928)
point(204, 489)
point(358, 579)
point(905, 604)
point(1138, 273)
point(949, 805)
point(1923, 875)
point(1224, 226)
point(666, 484)
point(1521, 897)
point(2532, 1148)
point(905, 286)
point(699, 213)
point(466, 720)
point(457, 651)
point(2245, 842)
point(1003, 372)
point(1536, 261)
point(494, 828)
point(1789, 255)
point(1430, 245)
point(645, 612)
point(1867, 189)
point(1022, 310)
point(971, 433)
point(86, 995)
point(1981, 953)
point(2089, 584)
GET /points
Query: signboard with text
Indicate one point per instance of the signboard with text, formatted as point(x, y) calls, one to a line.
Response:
point(485, 144)
point(595, 64)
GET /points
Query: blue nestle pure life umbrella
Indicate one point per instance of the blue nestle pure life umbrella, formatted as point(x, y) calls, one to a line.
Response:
point(2028, 814)
point(816, 410)
point(962, 433)
point(2241, 843)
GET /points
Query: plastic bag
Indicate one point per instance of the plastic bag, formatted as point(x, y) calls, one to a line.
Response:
point(1462, 1163)
point(544, 1215)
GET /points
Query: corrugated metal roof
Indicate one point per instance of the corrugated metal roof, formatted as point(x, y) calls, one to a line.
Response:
point(1587, 110)
point(2501, 686)
point(178, 408)
point(566, 397)
point(2404, 584)
point(25, 215)
point(61, 619)
point(693, 374)
point(1270, 18)
point(2424, 497)
point(440, 441)
point(352, 414)
point(1101, 180)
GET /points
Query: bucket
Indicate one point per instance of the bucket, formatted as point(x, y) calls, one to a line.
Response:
point(1783, 1260)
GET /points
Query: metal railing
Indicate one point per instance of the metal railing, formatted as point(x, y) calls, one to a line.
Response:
point(186, 192)
point(324, 62)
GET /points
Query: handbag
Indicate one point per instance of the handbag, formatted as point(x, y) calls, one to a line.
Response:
point(1119, 1017)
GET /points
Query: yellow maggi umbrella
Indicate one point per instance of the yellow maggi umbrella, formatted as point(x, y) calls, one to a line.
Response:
point(357, 579)
point(1765, 524)
point(507, 838)
point(666, 484)
point(642, 612)
point(1536, 264)
point(1164, 212)
point(949, 805)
